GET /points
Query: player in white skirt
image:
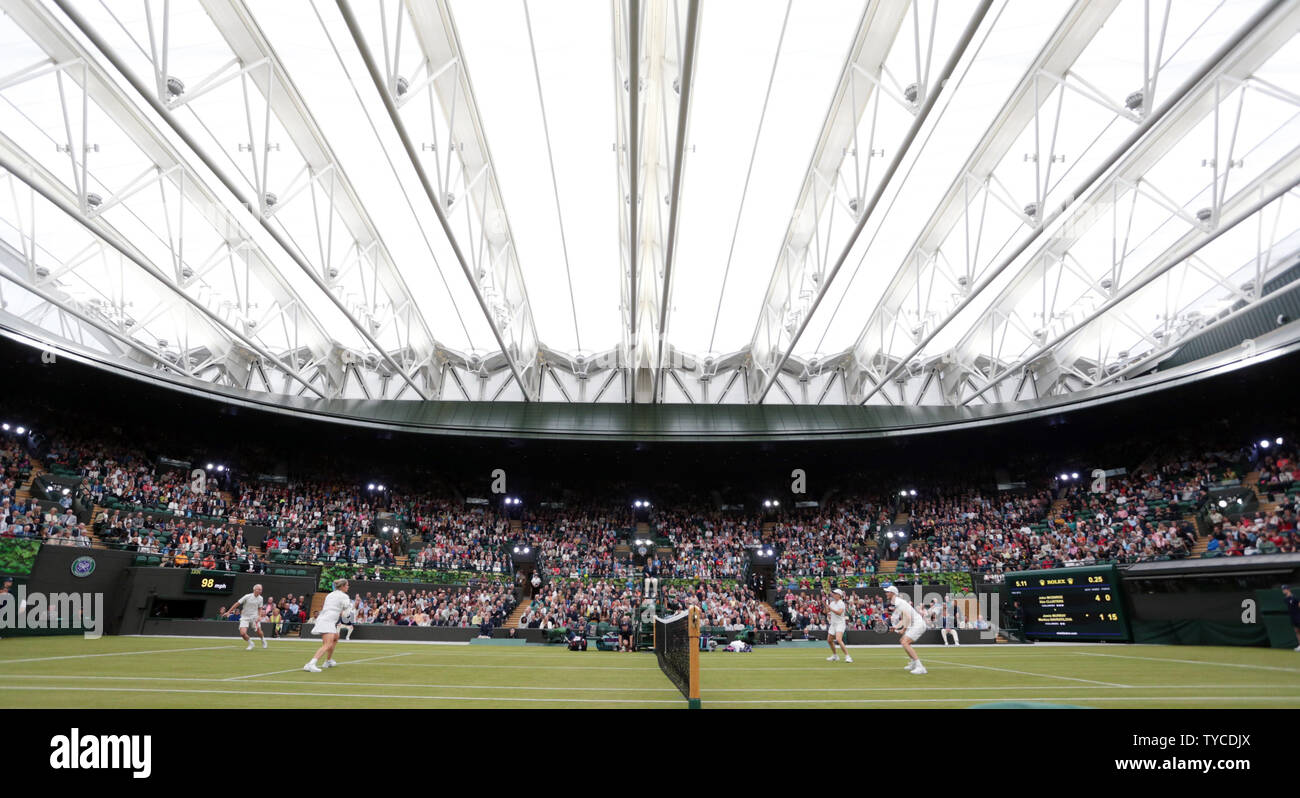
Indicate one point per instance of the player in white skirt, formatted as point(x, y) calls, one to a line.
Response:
point(250, 616)
point(327, 625)
point(910, 623)
point(836, 611)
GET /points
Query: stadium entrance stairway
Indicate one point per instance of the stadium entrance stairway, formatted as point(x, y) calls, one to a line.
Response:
point(24, 492)
point(513, 621)
point(1059, 506)
point(317, 601)
point(772, 613)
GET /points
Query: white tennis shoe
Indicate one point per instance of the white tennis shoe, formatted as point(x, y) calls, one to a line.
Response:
point(311, 668)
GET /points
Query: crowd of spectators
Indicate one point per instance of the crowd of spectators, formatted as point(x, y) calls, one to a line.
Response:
point(485, 607)
point(157, 509)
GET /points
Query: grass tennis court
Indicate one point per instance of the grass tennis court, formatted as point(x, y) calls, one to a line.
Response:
point(206, 672)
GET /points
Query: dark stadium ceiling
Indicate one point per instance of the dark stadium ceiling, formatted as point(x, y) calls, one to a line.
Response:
point(648, 201)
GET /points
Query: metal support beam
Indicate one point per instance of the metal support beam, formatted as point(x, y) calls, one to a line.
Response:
point(965, 202)
point(683, 85)
point(1205, 76)
point(511, 318)
point(781, 323)
point(160, 107)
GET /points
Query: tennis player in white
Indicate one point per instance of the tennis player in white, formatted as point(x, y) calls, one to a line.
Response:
point(336, 603)
point(835, 615)
point(910, 623)
point(250, 616)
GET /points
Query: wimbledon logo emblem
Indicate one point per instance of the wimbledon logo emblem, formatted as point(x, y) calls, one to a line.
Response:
point(83, 566)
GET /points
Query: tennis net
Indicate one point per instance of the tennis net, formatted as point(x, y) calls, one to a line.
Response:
point(677, 647)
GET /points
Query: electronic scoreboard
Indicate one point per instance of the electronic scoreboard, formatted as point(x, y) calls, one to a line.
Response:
point(215, 582)
point(1070, 603)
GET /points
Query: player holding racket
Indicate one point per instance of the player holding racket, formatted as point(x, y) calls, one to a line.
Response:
point(910, 623)
point(836, 614)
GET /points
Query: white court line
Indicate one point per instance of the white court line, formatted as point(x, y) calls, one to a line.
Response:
point(1193, 662)
point(678, 701)
point(650, 666)
point(315, 642)
point(115, 654)
point(1030, 673)
point(312, 680)
point(674, 701)
point(1016, 698)
point(291, 670)
point(710, 691)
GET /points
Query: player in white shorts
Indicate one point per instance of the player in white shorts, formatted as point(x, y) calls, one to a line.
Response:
point(910, 623)
point(327, 625)
point(250, 616)
point(835, 615)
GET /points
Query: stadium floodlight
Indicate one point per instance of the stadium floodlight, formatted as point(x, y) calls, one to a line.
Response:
point(1065, 477)
point(220, 467)
point(211, 466)
point(913, 491)
point(902, 493)
point(21, 430)
point(776, 502)
point(1278, 441)
point(1223, 503)
point(5, 426)
point(527, 549)
point(516, 549)
point(1262, 444)
point(371, 486)
point(1074, 475)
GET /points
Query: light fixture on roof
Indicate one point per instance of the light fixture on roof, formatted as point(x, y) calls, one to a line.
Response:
point(912, 491)
point(1204, 215)
point(403, 86)
point(1134, 101)
point(93, 200)
point(175, 87)
point(911, 93)
point(270, 199)
point(20, 430)
point(1031, 210)
point(1278, 441)
point(1263, 444)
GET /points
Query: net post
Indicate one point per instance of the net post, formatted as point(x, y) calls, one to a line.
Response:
point(693, 644)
